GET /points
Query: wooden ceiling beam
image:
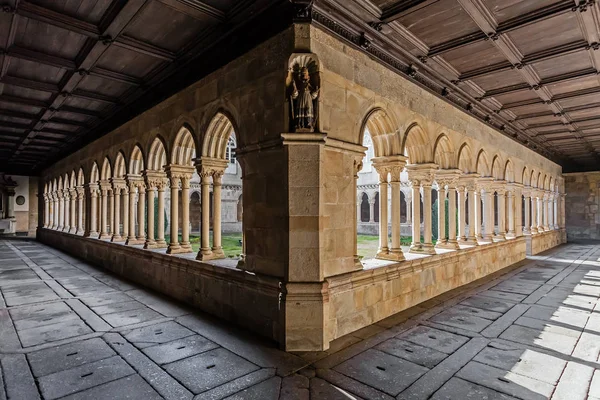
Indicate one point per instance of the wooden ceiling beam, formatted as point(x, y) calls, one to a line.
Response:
point(195, 8)
point(29, 84)
point(18, 114)
point(148, 49)
point(39, 13)
point(22, 100)
point(402, 8)
point(42, 58)
point(84, 94)
point(115, 76)
point(531, 17)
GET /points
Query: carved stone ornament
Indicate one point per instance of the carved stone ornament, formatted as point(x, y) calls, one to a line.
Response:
point(303, 86)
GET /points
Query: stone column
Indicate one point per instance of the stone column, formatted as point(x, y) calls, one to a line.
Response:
point(478, 214)
point(80, 210)
point(544, 211)
point(104, 213)
point(555, 210)
point(471, 186)
point(372, 210)
point(534, 206)
point(131, 238)
point(395, 165)
point(141, 209)
point(67, 212)
point(116, 214)
point(217, 247)
point(61, 210)
point(54, 210)
point(357, 217)
point(91, 222)
point(539, 212)
point(422, 175)
point(501, 193)
point(186, 247)
point(124, 200)
point(409, 207)
point(73, 211)
point(511, 212)
point(205, 252)
point(527, 203)
point(447, 180)
point(462, 214)
point(383, 172)
point(562, 211)
point(151, 183)
point(160, 239)
point(46, 210)
point(174, 247)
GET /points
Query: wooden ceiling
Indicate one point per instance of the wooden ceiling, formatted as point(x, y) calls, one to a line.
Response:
point(529, 68)
point(72, 70)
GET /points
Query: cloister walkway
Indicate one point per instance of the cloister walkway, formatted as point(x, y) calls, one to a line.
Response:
point(70, 330)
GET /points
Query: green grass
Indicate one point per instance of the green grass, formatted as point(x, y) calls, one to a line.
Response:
point(230, 242)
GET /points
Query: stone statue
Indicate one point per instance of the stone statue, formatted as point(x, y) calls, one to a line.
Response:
point(303, 100)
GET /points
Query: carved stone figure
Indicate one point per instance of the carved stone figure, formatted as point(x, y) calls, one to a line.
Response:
point(303, 100)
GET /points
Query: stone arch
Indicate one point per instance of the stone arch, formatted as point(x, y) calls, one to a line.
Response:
point(65, 185)
point(415, 145)
point(73, 180)
point(509, 171)
point(80, 177)
point(534, 179)
point(106, 172)
point(384, 132)
point(483, 164)
point(157, 156)
point(526, 177)
point(119, 170)
point(94, 173)
point(546, 182)
point(218, 132)
point(465, 158)
point(443, 152)
point(136, 161)
point(184, 147)
point(497, 167)
point(552, 185)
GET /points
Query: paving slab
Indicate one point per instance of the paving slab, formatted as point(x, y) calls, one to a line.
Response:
point(83, 377)
point(461, 320)
point(210, 369)
point(487, 303)
point(18, 380)
point(457, 389)
point(421, 355)
point(131, 317)
point(267, 390)
point(117, 307)
point(132, 387)
point(179, 349)
point(156, 334)
point(436, 339)
point(237, 386)
point(478, 312)
point(574, 383)
point(51, 333)
point(562, 315)
point(377, 369)
point(59, 358)
point(549, 340)
point(502, 295)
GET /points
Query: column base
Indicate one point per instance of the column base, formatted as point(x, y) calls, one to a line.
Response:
point(91, 234)
point(104, 236)
point(241, 264)
point(422, 248)
point(79, 232)
point(73, 231)
point(207, 254)
point(141, 239)
point(391, 255)
point(449, 245)
point(218, 252)
point(469, 241)
point(150, 244)
point(174, 248)
point(487, 238)
point(511, 235)
point(161, 244)
point(132, 241)
point(117, 239)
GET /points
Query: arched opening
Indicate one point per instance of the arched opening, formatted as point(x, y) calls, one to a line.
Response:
point(156, 184)
point(365, 208)
point(195, 216)
point(119, 207)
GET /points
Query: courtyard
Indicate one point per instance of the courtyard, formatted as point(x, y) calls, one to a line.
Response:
point(73, 331)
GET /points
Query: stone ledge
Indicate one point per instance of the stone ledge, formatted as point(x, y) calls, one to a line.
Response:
point(237, 296)
point(543, 241)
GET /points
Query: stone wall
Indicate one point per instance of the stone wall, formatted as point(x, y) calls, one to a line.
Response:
point(582, 205)
point(543, 241)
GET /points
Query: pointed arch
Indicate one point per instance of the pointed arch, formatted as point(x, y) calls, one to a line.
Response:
point(526, 176)
point(497, 168)
point(483, 164)
point(136, 161)
point(106, 172)
point(444, 153)
point(65, 182)
point(80, 177)
point(220, 130)
point(384, 132)
point(184, 148)
point(534, 179)
point(157, 156)
point(94, 173)
point(546, 182)
point(509, 172)
point(73, 180)
point(552, 185)
point(415, 145)
point(465, 158)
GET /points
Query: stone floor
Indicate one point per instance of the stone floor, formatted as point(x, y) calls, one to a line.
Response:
point(69, 330)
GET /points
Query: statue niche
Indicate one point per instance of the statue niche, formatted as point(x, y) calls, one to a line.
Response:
point(303, 93)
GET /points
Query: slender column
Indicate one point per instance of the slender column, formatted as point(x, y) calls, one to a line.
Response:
point(427, 217)
point(55, 210)
point(511, 213)
point(527, 202)
point(372, 209)
point(91, 222)
point(150, 243)
point(543, 211)
point(358, 203)
point(116, 214)
point(46, 210)
point(478, 204)
point(562, 211)
point(357, 217)
point(131, 239)
point(174, 246)
point(501, 192)
point(217, 247)
point(452, 242)
point(555, 210)
point(409, 208)
point(421, 175)
point(383, 211)
point(123, 200)
point(442, 239)
point(533, 228)
point(104, 213)
point(395, 252)
point(61, 210)
point(205, 252)
point(160, 226)
point(73, 211)
point(462, 213)
point(471, 191)
point(186, 247)
point(538, 213)
point(141, 209)
point(416, 216)
point(67, 210)
point(80, 210)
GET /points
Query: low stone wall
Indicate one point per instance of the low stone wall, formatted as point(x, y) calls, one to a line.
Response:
point(359, 299)
point(544, 241)
point(240, 297)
